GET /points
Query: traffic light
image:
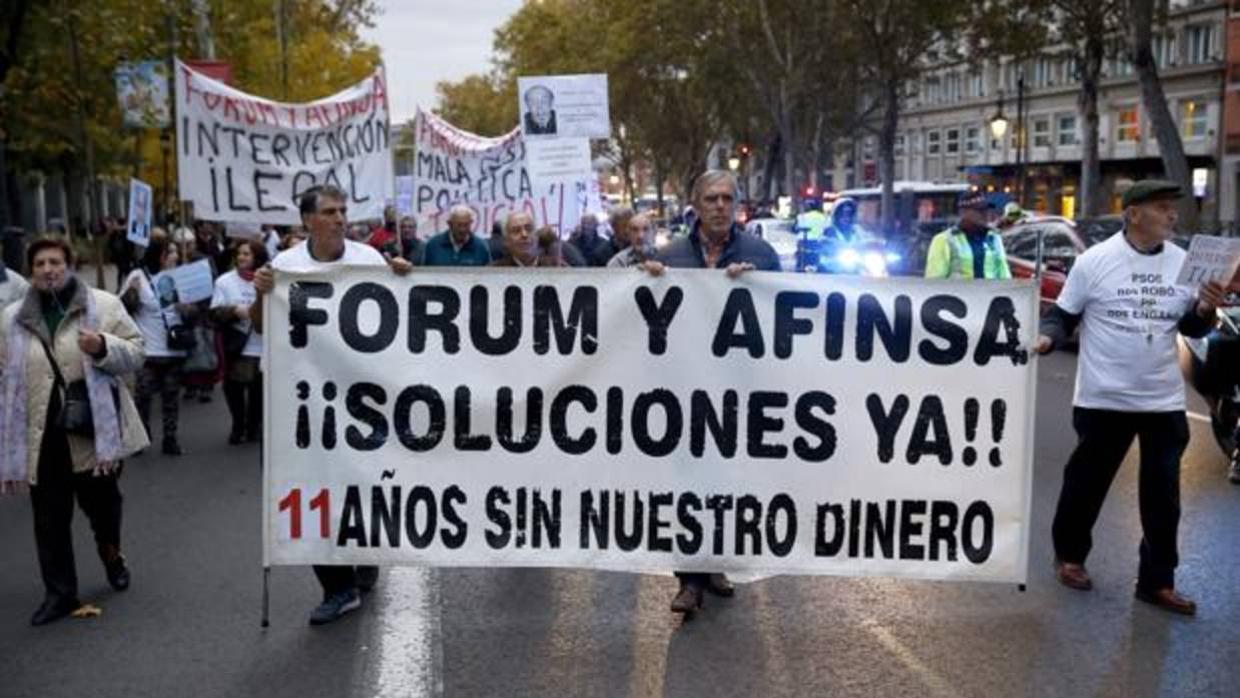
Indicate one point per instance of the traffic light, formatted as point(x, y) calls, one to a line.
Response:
point(744, 150)
point(809, 191)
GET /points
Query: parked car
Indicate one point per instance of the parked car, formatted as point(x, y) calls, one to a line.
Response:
point(1061, 243)
point(779, 232)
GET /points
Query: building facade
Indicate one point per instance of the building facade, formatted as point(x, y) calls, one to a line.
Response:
point(945, 133)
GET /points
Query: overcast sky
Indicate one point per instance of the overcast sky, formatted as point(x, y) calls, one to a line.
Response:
point(425, 41)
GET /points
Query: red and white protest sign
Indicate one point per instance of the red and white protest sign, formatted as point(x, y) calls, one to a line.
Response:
point(245, 158)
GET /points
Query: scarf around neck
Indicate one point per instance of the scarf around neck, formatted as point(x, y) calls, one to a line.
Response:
point(109, 448)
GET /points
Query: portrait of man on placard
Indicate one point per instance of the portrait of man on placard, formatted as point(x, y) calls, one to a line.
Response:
point(138, 216)
point(539, 111)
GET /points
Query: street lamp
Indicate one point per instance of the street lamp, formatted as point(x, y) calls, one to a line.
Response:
point(999, 122)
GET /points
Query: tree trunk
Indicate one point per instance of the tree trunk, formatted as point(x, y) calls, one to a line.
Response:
point(769, 167)
point(1090, 194)
point(1175, 163)
point(887, 157)
point(659, 178)
point(88, 146)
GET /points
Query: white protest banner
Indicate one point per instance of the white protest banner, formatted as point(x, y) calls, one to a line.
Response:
point(243, 231)
point(1210, 258)
point(564, 106)
point(404, 195)
point(142, 89)
point(193, 281)
point(139, 224)
point(488, 175)
point(778, 423)
point(247, 158)
point(558, 161)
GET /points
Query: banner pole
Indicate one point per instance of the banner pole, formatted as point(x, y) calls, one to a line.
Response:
point(267, 597)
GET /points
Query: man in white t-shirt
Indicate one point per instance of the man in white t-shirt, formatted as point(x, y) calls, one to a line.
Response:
point(1123, 294)
point(323, 213)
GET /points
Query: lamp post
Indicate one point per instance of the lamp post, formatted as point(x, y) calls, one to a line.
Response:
point(999, 127)
point(1022, 138)
point(165, 147)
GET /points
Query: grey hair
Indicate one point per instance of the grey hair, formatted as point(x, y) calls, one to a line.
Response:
point(514, 214)
point(461, 210)
point(709, 178)
point(538, 88)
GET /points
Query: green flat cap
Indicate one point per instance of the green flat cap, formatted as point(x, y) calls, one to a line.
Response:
point(1152, 190)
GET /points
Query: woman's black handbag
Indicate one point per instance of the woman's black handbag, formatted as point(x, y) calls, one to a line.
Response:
point(180, 337)
point(234, 341)
point(75, 413)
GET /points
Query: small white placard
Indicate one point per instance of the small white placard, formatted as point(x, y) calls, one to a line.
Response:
point(564, 106)
point(139, 230)
point(1210, 258)
point(558, 160)
point(193, 281)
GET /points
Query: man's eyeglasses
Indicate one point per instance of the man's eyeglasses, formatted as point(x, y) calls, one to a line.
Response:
point(718, 198)
point(342, 210)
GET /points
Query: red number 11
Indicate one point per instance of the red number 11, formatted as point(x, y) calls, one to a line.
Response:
point(292, 504)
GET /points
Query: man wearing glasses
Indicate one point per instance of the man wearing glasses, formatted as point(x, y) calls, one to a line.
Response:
point(716, 241)
point(323, 213)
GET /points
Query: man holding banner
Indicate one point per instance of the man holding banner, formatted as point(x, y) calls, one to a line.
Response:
point(715, 242)
point(323, 212)
point(1122, 293)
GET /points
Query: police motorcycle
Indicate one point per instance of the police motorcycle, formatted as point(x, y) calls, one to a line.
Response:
point(1211, 365)
point(854, 252)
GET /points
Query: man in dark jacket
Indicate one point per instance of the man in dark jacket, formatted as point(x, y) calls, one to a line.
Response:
point(716, 241)
point(597, 249)
point(457, 246)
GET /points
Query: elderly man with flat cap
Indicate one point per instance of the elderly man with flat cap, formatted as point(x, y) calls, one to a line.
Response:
point(1123, 294)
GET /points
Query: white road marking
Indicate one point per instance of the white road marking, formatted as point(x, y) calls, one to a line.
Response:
point(936, 685)
point(410, 657)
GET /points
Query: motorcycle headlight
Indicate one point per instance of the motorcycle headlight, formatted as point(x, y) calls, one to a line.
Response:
point(848, 258)
point(875, 264)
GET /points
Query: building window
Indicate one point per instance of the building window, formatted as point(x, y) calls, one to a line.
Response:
point(953, 141)
point(1200, 43)
point(1041, 132)
point(972, 139)
point(932, 142)
point(1165, 49)
point(867, 148)
point(1128, 126)
point(1067, 130)
point(1193, 119)
point(898, 146)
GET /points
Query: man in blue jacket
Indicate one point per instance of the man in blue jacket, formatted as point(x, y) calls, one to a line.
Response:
point(715, 241)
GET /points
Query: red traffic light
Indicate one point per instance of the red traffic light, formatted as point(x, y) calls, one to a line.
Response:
point(809, 191)
point(744, 150)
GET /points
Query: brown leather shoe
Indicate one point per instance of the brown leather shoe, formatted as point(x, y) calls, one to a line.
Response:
point(687, 600)
point(719, 585)
point(1073, 576)
point(1167, 599)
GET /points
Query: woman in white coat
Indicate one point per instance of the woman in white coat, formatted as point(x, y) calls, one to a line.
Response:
point(66, 416)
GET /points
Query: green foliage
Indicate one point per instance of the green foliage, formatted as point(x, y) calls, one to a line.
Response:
point(42, 93)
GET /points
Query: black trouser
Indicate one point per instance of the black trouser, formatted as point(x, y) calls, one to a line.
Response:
point(245, 404)
point(1104, 439)
point(697, 580)
point(160, 375)
point(337, 578)
point(52, 502)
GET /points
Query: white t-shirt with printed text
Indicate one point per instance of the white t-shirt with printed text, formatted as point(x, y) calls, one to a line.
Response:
point(1130, 306)
point(231, 289)
point(152, 320)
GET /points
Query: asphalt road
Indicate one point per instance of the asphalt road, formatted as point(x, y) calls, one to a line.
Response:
point(189, 626)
